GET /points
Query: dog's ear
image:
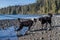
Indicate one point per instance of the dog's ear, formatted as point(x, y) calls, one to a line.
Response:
point(40, 19)
point(18, 18)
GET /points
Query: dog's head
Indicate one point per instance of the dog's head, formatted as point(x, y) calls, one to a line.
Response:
point(50, 14)
point(35, 20)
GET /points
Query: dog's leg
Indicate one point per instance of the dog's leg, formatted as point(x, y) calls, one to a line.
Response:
point(46, 25)
point(19, 28)
point(42, 26)
point(50, 27)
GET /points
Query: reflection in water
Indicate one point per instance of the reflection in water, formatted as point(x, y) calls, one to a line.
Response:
point(8, 34)
point(23, 31)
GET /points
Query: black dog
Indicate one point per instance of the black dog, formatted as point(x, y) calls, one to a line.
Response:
point(27, 23)
point(46, 19)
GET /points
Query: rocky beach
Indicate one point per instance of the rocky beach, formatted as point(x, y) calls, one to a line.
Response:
point(36, 33)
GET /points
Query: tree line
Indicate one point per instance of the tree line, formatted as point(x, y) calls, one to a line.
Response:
point(40, 7)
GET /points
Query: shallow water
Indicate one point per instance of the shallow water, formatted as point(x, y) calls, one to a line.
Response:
point(23, 31)
point(8, 34)
point(3, 17)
